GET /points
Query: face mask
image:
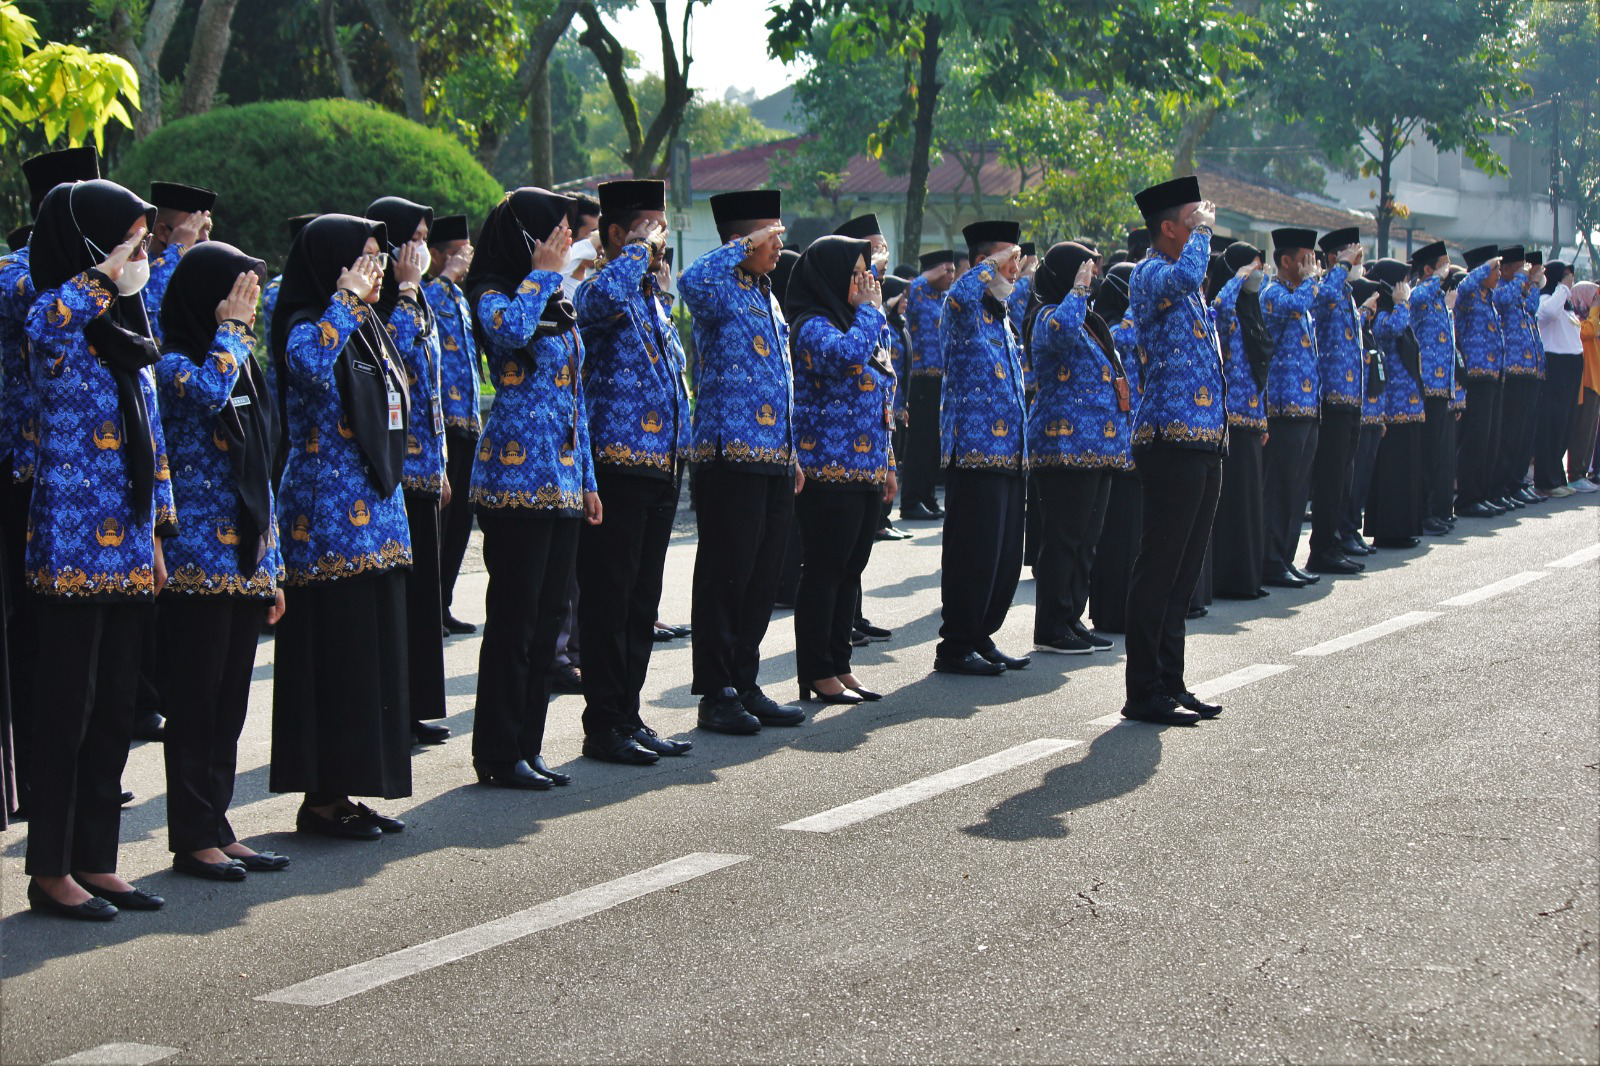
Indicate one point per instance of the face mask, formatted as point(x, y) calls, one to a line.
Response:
point(582, 252)
point(880, 263)
point(134, 276)
point(1000, 288)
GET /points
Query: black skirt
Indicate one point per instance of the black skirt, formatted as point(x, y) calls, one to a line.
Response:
point(1115, 553)
point(341, 718)
point(1394, 503)
point(1238, 538)
point(425, 609)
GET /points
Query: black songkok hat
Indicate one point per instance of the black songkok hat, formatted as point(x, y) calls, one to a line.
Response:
point(994, 231)
point(1138, 237)
point(746, 206)
point(1427, 255)
point(18, 237)
point(1338, 239)
point(44, 172)
point(1536, 259)
point(447, 228)
point(186, 198)
point(1513, 254)
point(296, 223)
point(635, 194)
point(1389, 271)
point(1220, 244)
point(1029, 248)
point(861, 227)
point(1287, 240)
point(1167, 195)
point(1476, 257)
point(928, 260)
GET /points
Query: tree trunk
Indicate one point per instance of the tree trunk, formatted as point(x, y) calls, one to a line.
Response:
point(210, 48)
point(330, 41)
point(536, 88)
point(922, 138)
point(1385, 205)
point(404, 51)
point(612, 57)
point(1194, 130)
point(144, 56)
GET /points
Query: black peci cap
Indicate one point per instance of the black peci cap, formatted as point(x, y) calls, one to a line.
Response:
point(1167, 195)
point(1428, 255)
point(447, 228)
point(296, 223)
point(1536, 259)
point(928, 260)
point(44, 172)
point(1338, 239)
point(992, 231)
point(634, 194)
point(861, 227)
point(1513, 254)
point(1029, 248)
point(746, 206)
point(1286, 240)
point(176, 197)
point(1363, 288)
point(1389, 271)
point(1476, 257)
point(18, 237)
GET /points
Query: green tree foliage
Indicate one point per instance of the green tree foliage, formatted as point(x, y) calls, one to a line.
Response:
point(1372, 77)
point(709, 126)
point(1565, 43)
point(270, 161)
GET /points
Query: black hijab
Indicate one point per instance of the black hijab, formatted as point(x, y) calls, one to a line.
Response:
point(779, 278)
point(1555, 272)
point(1112, 302)
point(894, 286)
point(1253, 333)
point(77, 227)
point(819, 286)
point(1051, 284)
point(368, 367)
point(401, 218)
point(248, 423)
point(503, 257)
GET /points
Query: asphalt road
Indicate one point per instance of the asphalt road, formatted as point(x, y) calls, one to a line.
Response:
point(1384, 851)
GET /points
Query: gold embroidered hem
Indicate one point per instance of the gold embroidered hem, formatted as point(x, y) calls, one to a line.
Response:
point(1483, 375)
point(22, 473)
point(1397, 420)
point(838, 475)
point(1243, 422)
point(621, 455)
point(1179, 433)
point(740, 452)
point(921, 373)
point(192, 581)
point(471, 425)
point(1523, 372)
point(426, 486)
point(1293, 410)
point(332, 566)
point(1077, 461)
point(981, 461)
point(72, 582)
point(547, 498)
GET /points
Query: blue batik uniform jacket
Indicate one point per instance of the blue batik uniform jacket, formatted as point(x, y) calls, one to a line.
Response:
point(1184, 401)
point(895, 339)
point(1517, 301)
point(269, 304)
point(155, 290)
point(418, 345)
point(1246, 407)
point(1125, 339)
point(633, 365)
point(458, 356)
point(743, 384)
point(207, 559)
point(1016, 310)
point(924, 307)
point(1373, 409)
point(1478, 326)
point(843, 400)
point(19, 426)
point(1339, 348)
point(1075, 422)
point(533, 455)
point(1430, 321)
point(1402, 396)
point(983, 411)
point(1292, 378)
point(85, 540)
point(332, 523)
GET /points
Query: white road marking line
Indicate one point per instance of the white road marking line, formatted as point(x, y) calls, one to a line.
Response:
point(928, 787)
point(365, 976)
point(1577, 558)
point(1467, 599)
point(1361, 636)
point(1239, 679)
point(1114, 718)
point(118, 1055)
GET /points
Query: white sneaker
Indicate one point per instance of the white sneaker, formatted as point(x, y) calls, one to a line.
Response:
point(1561, 492)
point(1583, 484)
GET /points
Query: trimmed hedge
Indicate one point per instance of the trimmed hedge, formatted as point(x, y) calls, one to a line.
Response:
point(273, 160)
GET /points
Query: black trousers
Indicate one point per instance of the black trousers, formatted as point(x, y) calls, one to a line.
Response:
point(22, 626)
point(456, 519)
point(1519, 401)
point(920, 470)
point(1071, 513)
point(1479, 442)
point(1238, 533)
point(1558, 413)
point(83, 712)
point(208, 646)
point(982, 557)
point(1367, 443)
point(620, 563)
point(836, 527)
point(789, 573)
point(1290, 452)
point(1438, 458)
point(424, 613)
point(1332, 470)
point(1181, 487)
point(530, 559)
point(1114, 555)
point(744, 521)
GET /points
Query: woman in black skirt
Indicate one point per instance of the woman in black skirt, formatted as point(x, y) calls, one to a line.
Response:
point(341, 721)
point(1119, 533)
point(1238, 534)
point(1394, 502)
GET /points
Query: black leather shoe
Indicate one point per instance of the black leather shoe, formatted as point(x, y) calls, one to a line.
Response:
point(93, 909)
point(1283, 580)
point(346, 826)
point(566, 678)
point(873, 632)
point(1510, 503)
point(664, 635)
point(1396, 542)
point(618, 747)
point(536, 764)
point(384, 823)
point(232, 870)
point(1159, 710)
point(512, 775)
point(769, 711)
point(149, 726)
point(725, 714)
point(650, 740)
point(1304, 575)
point(429, 733)
point(1190, 702)
point(681, 631)
point(1527, 495)
point(1095, 640)
point(456, 626)
point(1196, 612)
point(845, 698)
point(1010, 662)
point(1334, 564)
point(132, 900)
point(263, 862)
point(127, 798)
point(971, 664)
point(1477, 510)
point(917, 513)
point(1435, 528)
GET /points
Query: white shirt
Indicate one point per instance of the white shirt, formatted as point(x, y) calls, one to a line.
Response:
point(1558, 327)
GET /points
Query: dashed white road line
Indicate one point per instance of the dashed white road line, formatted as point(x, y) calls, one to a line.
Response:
point(1239, 678)
point(928, 787)
point(1494, 588)
point(1361, 636)
point(1577, 558)
point(365, 976)
point(118, 1055)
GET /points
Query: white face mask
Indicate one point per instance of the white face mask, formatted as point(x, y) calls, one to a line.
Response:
point(1000, 288)
point(135, 275)
point(582, 252)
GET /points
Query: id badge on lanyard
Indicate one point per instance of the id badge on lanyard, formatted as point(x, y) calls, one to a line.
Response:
point(396, 415)
point(438, 415)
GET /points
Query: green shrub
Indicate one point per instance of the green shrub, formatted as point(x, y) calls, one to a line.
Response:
point(270, 161)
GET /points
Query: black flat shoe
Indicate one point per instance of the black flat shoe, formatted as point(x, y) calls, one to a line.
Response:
point(1010, 662)
point(1159, 712)
point(428, 733)
point(865, 693)
point(971, 664)
point(232, 870)
point(1190, 702)
point(1283, 580)
point(536, 764)
point(1196, 612)
point(617, 747)
point(456, 627)
point(845, 698)
point(1334, 564)
point(872, 631)
point(769, 711)
point(512, 775)
point(384, 823)
point(1304, 575)
point(664, 635)
point(1477, 510)
point(566, 678)
point(650, 740)
point(917, 513)
point(725, 714)
point(1396, 542)
point(93, 909)
point(347, 826)
point(127, 798)
point(132, 900)
point(263, 862)
point(681, 631)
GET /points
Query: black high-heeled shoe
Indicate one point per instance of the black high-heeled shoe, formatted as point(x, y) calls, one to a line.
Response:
point(865, 693)
point(811, 695)
point(93, 909)
point(536, 764)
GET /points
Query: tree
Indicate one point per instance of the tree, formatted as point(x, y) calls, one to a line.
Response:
point(536, 86)
point(708, 126)
point(646, 154)
point(1373, 76)
point(206, 53)
point(403, 47)
point(1565, 38)
point(139, 30)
